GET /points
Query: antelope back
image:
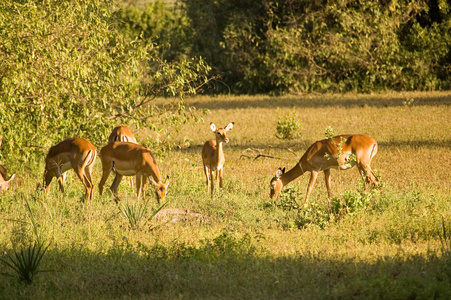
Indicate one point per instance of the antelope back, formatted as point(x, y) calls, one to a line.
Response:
point(121, 134)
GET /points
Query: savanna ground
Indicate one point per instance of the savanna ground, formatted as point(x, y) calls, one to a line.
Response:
point(390, 243)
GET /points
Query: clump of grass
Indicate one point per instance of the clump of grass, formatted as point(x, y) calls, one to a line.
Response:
point(288, 127)
point(136, 213)
point(25, 262)
point(349, 203)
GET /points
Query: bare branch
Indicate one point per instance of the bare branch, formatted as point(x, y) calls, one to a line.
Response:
point(255, 156)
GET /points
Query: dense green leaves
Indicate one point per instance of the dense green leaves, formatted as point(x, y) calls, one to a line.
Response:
point(78, 68)
point(66, 70)
point(304, 46)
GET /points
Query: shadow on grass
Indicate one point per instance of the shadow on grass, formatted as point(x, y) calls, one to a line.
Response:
point(417, 144)
point(305, 102)
point(299, 147)
point(196, 273)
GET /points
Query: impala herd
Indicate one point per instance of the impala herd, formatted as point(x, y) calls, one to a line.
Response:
point(125, 157)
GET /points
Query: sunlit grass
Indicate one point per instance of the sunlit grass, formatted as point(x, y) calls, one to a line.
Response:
point(254, 247)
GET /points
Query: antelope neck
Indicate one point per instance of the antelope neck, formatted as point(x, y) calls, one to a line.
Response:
point(292, 174)
point(218, 150)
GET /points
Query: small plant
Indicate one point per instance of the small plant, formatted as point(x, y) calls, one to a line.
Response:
point(287, 127)
point(408, 102)
point(314, 214)
point(136, 213)
point(25, 262)
point(348, 161)
point(329, 132)
point(288, 198)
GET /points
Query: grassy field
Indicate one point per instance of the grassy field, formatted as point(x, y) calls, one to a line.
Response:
point(390, 243)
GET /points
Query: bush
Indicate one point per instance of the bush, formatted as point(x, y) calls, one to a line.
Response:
point(67, 71)
point(288, 127)
point(304, 46)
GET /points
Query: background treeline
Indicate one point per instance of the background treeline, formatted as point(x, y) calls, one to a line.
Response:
point(296, 46)
point(78, 68)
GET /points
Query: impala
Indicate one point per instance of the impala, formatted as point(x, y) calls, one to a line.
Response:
point(4, 182)
point(74, 153)
point(121, 134)
point(343, 151)
point(129, 159)
point(213, 155)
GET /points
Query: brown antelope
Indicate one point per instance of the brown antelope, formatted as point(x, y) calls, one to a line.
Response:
point(74, 153)
point(129, 159)
point(343, 151)
point(4, 181)
point(121, 134)
point(213, 155)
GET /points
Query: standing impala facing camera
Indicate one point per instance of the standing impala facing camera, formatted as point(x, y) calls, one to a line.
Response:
point(343, 151)
point(213, 155)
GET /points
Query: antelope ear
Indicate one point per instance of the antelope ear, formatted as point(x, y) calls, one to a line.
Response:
point(279, 172)
point(213, 127)
point(166, 183)
point(229, 126)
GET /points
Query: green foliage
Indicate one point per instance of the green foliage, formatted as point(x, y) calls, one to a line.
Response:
point(329, 132)
point(159, 22)
point(350, 203)
point(304, 46)
point(226, 246)
point(288, 127)
point(67, 70)
point(25, 262)
point(136, 213)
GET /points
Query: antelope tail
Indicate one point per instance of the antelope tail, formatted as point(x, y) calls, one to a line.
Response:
point(90, 158)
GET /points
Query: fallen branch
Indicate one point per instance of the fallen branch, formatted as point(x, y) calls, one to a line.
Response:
point(260, 154)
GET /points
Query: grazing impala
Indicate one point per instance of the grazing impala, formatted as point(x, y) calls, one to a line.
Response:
point(76, 153)
point(213, 155)
point(129, 159)
point(322, 156)
point(121, 134)
point(4, 181)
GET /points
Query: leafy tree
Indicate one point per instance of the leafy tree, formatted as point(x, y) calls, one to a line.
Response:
point(67, 70)
point(303, 46)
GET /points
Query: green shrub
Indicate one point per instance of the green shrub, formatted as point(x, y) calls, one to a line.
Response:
point(288, 127)
point(68, 71)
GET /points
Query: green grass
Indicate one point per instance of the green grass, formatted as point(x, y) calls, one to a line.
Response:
point(391, 243)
